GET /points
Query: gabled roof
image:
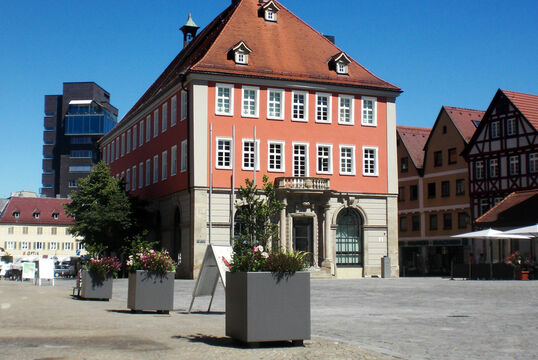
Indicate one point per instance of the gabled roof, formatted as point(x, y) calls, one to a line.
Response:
point(507, 203)
point(464, 120)
point(527, 104)
point(26, 207)
point(414, 139)
point(288, 50)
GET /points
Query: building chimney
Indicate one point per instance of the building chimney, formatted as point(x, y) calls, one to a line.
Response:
point(330, 38)
point(189, 31)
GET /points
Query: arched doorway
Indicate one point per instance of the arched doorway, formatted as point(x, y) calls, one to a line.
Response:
point(349, 239)
point(176, 242)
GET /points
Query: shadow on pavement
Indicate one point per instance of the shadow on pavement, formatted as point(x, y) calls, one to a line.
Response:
point(185, 312)
point(137, 312)
point(224, 341)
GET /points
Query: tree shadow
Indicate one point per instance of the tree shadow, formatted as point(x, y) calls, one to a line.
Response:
point(224, 341)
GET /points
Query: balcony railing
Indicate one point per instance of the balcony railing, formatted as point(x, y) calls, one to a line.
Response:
point(302, 183)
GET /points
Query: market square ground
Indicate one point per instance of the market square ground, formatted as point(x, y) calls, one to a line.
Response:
point(405, 318)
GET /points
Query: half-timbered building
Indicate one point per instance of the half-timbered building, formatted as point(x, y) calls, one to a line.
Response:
point(503, 153)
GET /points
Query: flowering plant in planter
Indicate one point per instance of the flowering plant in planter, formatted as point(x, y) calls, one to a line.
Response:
point(104, 267)
point(157, 262)
point(259, 232)
point(520, 262)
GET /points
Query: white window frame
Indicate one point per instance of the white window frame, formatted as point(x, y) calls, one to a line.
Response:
point(330, 159)
point(128, 141)
point(479, 170)
point(256, 101)
point(512, 128)
point(269, 102)
point(117, 147)
point(241, 58)
point(133, 179)
point(148, 173)
point(364, 122)
point(270, 15)
point(123, 145)
point(329, 108)
point(514, 162)
point(67, 246)
point(533, 163)
point(141, 175)
point(173, 110)
point(341, 68)
point(226, 154)
point(353, 160)
point(351, 99)
point(53, 245)
point(282, 155)
point(305, 94)
point(141, 134)
point(155, 169)
point(493, 165)
point(128, 179)
point(184, 156)
point(307, 160)
point(365, 160)
point(184, 104)
point(155, 123)
point(38, 245)
point(164, 118)
point(148, 128)
point(135, 138)
point(10, 245)
point(231, 99)
point(112, 151)
point(495, 129)
point(164, 165)
point(25, 245)
point(256, 154)
point(173, 160)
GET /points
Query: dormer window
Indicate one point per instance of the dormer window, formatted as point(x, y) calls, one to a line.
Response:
point(240, 53)
point(16, 214)
point(55, 216)
point(341, 68)
point(241, 58)
point(340, 63)
point(36, 215)
point(269, 11)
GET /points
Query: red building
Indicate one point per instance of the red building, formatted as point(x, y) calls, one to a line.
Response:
point(325, 134)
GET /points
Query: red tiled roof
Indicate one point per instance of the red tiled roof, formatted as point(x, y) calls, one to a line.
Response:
point(26, 206)
point(527, 104)
point(508, 202)
point(463, 120)
point(288, 49)
point(414, 139)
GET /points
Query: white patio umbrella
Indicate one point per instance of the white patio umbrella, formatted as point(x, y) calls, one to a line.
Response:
point(526, 230)
point(490, 234)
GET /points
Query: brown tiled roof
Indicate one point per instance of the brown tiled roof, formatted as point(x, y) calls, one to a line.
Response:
point(527, 104)
point(508, 202)
point(26, 206)
point(414, 139)
point(463, 120)
point(287, 49)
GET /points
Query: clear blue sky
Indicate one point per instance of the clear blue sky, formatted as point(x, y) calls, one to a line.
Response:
point(455, 53)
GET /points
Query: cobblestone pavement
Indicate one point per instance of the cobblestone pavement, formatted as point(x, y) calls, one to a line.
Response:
point(407, 318)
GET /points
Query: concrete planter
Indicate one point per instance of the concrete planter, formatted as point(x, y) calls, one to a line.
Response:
point(148, 291)
point(260, 307)
point(95, 287)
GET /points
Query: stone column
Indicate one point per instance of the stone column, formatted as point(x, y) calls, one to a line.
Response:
point(283, 226)
point(328, 242)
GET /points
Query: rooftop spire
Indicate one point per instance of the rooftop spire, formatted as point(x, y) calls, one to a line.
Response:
point(189, 30)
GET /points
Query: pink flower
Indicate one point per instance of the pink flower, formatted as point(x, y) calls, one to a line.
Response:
point(265, 255)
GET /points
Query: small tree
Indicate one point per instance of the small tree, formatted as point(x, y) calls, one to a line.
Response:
point(258, 215)
point(103, 211)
